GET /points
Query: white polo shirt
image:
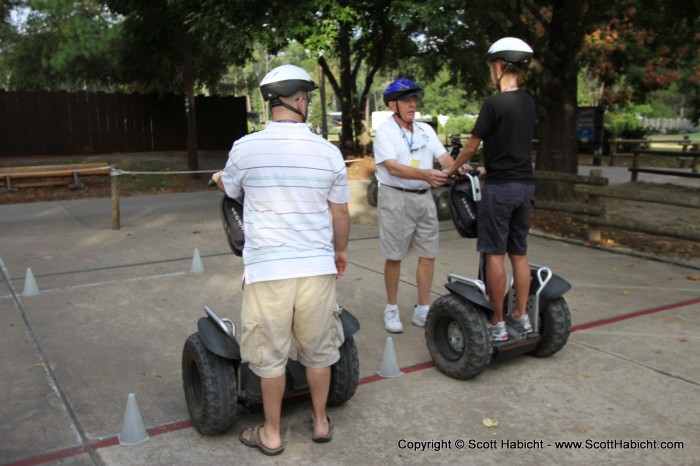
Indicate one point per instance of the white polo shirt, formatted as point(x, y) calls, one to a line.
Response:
point(288, 175)
point(418, 149)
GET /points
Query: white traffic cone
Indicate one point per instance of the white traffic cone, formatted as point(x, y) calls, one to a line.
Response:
point(390, 365)
point(30, 286)
point(133, 431)
point(197, 266)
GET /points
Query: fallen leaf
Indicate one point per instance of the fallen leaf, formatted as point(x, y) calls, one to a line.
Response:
point(586, 376)
point(489, 423)
point(583, 430)
point(625, 293)
point(658, 351)
point(693, 276)
point(196, 232)
point(682, 340)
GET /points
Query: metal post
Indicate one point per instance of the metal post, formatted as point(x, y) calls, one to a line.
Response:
point(114, 178)
point(594, 234)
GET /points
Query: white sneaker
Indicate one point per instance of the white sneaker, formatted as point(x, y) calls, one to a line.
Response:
point(525, 321)
point(392, 323)
point(498, 331)
point(419, 317)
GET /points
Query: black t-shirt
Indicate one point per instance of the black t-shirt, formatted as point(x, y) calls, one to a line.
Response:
point(506, 125)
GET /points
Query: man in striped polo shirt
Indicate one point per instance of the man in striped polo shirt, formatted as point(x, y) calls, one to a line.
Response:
point(296, 225)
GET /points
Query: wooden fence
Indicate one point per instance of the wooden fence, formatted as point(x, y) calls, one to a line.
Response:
point(82, 123)
point(595, 188)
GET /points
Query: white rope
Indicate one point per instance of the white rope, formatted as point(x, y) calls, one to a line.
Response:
point(117, 172)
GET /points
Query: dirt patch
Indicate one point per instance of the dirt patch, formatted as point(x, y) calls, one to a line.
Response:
point(556, 224)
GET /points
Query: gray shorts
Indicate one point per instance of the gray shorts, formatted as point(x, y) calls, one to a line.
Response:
point(408, 224)
point(504, 218)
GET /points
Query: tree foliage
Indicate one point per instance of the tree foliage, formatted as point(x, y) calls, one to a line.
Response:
point(645, 46)
point(63, 45)
point(627, 48)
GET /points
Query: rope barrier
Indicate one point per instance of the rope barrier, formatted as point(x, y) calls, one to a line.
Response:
point(118, 172)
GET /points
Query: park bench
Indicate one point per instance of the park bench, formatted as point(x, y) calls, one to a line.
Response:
point(635, 169)
point(50, 175)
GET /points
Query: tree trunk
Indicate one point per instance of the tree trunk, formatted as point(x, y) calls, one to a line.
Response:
point(192, 157)
point(558, 146)
point(347, 141)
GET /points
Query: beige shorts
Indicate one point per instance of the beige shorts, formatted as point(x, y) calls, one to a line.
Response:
point(279, 313)
point(408, 224)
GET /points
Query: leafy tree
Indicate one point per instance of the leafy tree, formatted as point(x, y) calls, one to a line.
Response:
point(62, 45)
point(645, 46)
point(557, 30)
point(169, 45)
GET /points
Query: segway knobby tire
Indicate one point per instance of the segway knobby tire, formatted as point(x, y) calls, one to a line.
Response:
point(458, 338)
point(345, 374)
point(372, 190)
point(441, 196)
point(555, 326)
point(210, 387)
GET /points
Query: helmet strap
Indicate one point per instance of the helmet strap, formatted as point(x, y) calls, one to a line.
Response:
point(397, 113)
point(279, 103)
point(494, 68)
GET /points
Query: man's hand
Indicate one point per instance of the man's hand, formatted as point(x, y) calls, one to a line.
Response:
point(341, 263)
point(465, 168)
point(216, 178)
point(435, 178)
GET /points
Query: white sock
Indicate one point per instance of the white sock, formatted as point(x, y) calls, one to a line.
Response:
point(423, 308)
point(391, 307)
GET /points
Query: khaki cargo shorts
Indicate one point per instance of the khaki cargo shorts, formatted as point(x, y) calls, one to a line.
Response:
point(408, 224)
point(277, 314)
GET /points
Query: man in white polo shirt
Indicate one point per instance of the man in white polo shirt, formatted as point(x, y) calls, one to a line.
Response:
point(296, 225)
point(405, 151)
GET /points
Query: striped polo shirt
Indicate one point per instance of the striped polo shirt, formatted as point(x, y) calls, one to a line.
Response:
point(288, 175)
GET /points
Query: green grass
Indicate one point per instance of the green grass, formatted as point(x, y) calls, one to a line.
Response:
point(145, 182)
point(657, 140)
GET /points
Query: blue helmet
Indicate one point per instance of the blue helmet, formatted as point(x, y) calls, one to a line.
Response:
point(401, 87)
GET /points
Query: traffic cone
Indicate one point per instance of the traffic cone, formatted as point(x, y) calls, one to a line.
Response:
point(30, 286)
point(197, 266)
point(390, 365)
point(133, 431)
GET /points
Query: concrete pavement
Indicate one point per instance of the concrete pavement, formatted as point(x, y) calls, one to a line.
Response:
point(115, 308)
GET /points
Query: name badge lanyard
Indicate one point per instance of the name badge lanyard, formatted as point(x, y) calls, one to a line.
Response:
point(403, 134)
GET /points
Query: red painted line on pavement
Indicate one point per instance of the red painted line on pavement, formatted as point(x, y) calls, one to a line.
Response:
point(152, 432)
point(50, 457)
point(155, 431)
point(632, 315)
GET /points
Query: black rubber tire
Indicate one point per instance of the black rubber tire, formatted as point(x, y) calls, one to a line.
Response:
point(372, 190)
point(555, 327)
point(210, 384)
point(458, 338)
point(345, 374)
point(441, 196)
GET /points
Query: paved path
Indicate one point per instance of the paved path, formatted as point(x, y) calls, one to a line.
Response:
point(115, 308)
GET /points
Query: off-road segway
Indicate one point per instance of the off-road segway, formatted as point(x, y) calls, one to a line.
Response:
point(216, 381)
point(456, 330)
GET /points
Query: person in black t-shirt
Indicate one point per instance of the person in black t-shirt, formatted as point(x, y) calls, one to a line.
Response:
point(506, 126)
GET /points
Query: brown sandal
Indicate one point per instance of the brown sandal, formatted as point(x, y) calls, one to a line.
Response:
point(255, 441)
point(324, 438)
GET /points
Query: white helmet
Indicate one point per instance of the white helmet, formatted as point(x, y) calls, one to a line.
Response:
point(284, 81)
point(510, 49)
